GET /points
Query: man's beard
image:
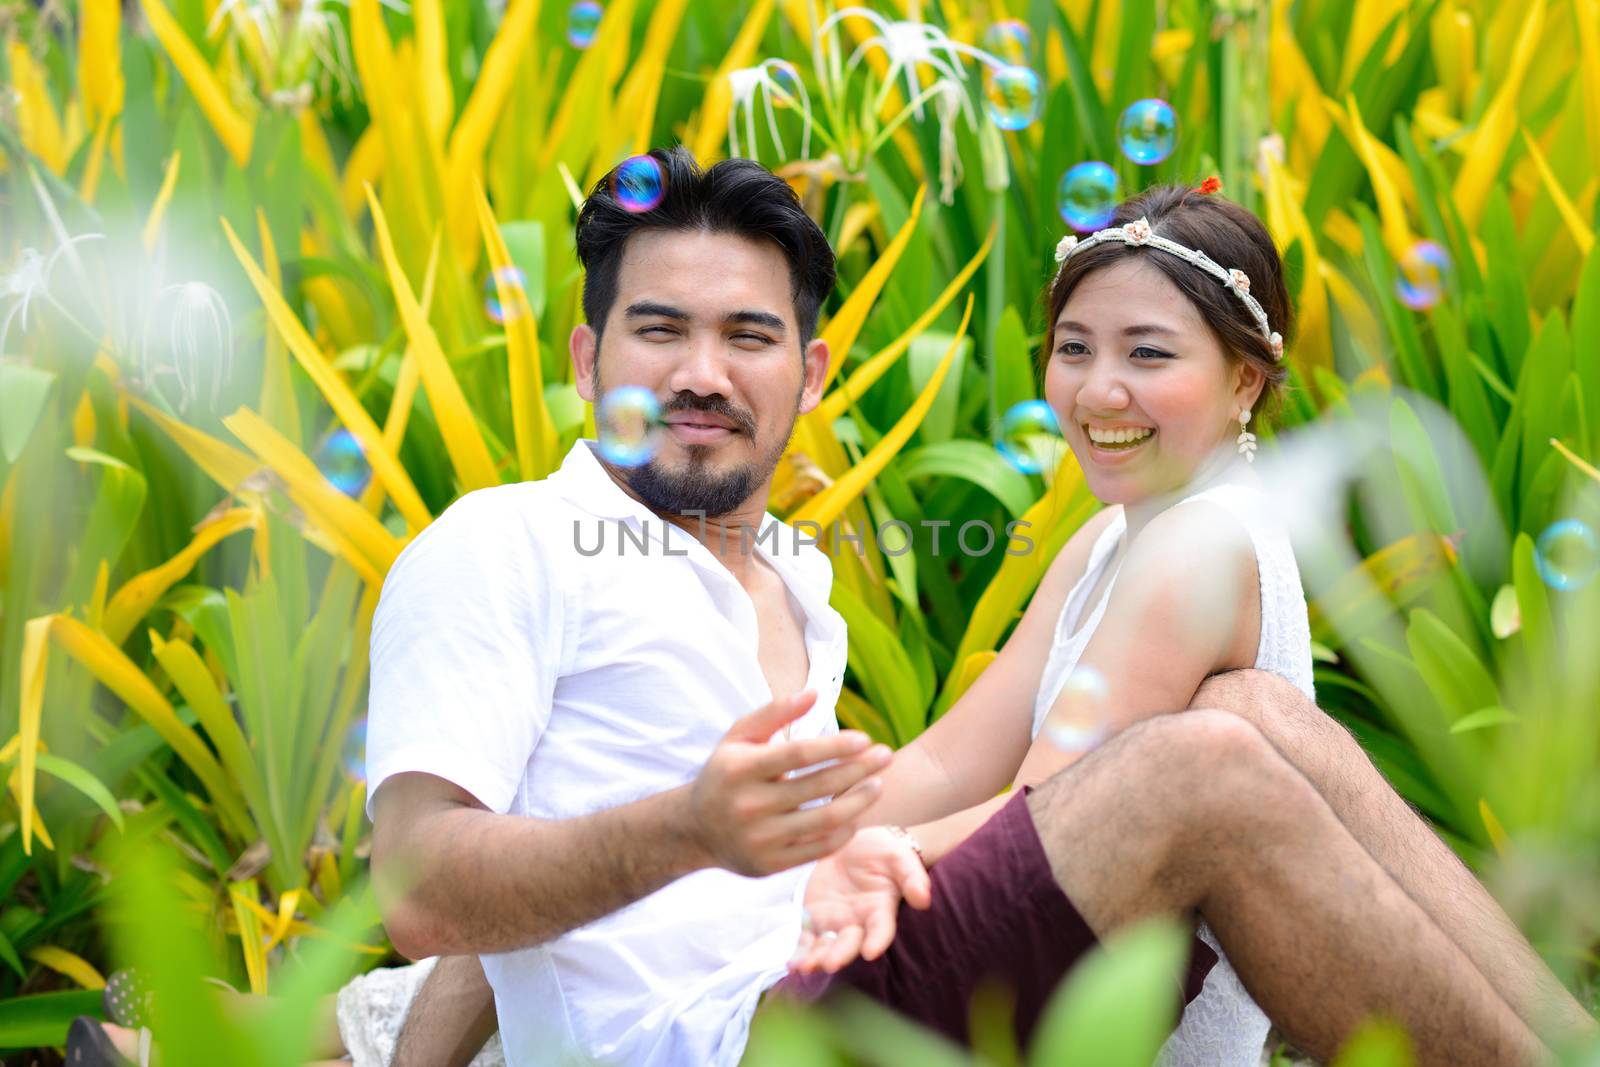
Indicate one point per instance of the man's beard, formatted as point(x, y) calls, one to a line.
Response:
point(694, 487)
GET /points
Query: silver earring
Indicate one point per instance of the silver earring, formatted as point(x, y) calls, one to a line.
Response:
point(1247, 440)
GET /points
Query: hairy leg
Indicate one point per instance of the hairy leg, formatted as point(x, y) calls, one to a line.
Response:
point(1394, 835)
point(1200, 811)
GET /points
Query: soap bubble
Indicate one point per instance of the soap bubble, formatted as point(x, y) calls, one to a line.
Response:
point(1011, 96)
point(353, 753)
point(513, 280)
point(1567, 554)
point(630, 426)
point(1148, 131)
point(583, 20)
point(1030, 437)
point(638, 184)
point(1080, 718)
point(1422, 274)
point(1010, 40)
point(343, 461)
point(785, 79)
point(1087, 196)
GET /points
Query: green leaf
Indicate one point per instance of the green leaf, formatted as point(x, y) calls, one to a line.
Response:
point(1455, 675)
point(1118, 1005)
point(84, 782)
point(884, 671)
point(976, 463)
point(1483, 717)
point(923, 358)
point(41, 1020)
point(23, 392)
point(8, 953)
point(525, 241)
point(1378, 1043)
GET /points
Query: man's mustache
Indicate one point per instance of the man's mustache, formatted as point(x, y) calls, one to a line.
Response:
point(715, 404)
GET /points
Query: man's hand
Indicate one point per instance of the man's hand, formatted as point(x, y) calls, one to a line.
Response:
point(745, 807)
point(853, 897)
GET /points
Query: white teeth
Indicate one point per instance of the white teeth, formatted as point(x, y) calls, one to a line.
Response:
point(1118, 437)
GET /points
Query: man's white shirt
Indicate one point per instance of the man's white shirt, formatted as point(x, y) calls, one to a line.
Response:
point(552, 680)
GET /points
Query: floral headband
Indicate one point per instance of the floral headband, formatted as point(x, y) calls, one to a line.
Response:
point(1139, 234)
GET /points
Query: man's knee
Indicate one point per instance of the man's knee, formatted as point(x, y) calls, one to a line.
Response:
point(1183, 764)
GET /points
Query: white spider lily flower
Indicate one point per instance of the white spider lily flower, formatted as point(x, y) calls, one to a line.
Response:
point(199, 335)
point(30, 281)
point(762, 78)
point(950, 103)
point(292, 42)
point(907, 44)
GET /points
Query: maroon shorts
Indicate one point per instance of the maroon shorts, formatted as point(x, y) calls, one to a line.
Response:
point(998, 919)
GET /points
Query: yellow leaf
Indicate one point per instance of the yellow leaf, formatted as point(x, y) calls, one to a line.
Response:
point(1497, 833)
point(1575, 460)
point(361, 169)
point(1587, 12)
point(1581, 231)
point(139, 594)
point(277, 387)
point(1391, 204)
point(37, 122)
point(1498, 124)
point(366, 544)
point(853, 388)
point(152, 223)
point(384, 461)
point(641, 91)
point(35, 659)
point(712, 124)
point(120, 675)
point(971, 667)
point(232, 129)
point(856, 220)
point(530, 419)
point(188, 672)
point(90, 183)
point(66, 963)
point(224, 464)
point(433, 75)
point(855, 713)
point(845, 326)
point(468, 454)
point(249, 913)
point(100, 59)
point(825, 507)
point(489, 89)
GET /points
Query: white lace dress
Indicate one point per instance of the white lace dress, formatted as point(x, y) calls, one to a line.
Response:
point(1222, 1027)
point(372, 1006)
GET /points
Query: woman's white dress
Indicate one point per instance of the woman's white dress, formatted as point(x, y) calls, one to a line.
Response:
point(372, 1007)
point(1222, 1027)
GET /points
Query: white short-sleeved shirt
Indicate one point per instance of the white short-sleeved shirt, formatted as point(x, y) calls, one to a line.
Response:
point(553, 674)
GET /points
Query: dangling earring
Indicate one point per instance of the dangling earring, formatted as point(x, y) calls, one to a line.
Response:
point(1247, 440)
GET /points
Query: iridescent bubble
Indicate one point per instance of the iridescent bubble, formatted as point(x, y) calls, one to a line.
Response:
point(500, 307)
point(343, 461)
point(1010, 40)
point(1080, 718)
point(1148, 131)
point(583, 20)
point(1087, 195)
point(1567, 554)
point(1030, 437)
point(1011, 96)
point(628, 420)
point(786, 80)
point(638, 184)
point(353, 753)
point(1423, 270)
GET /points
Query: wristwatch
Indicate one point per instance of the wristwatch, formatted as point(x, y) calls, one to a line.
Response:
point(903, 834)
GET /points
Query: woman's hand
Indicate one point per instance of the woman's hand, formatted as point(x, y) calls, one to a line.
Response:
point(852, 899)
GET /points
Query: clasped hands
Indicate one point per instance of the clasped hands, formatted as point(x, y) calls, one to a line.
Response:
point(746, 815)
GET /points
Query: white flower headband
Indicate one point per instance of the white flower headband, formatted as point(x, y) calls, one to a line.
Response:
point(1138, 233)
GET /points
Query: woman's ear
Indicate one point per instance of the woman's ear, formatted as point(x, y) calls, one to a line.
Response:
point(1249, 383)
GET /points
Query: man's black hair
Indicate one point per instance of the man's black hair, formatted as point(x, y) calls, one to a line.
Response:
point(737, 196)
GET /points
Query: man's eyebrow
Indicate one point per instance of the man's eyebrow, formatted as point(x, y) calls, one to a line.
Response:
point(754, 318)
point(649, 309)
point(1141, 330)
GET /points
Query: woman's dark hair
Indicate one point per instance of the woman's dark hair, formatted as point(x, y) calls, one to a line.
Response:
point(737, 196)
point(1226, 232)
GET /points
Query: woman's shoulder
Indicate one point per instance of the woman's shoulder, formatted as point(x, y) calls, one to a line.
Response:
point(1073, 559)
